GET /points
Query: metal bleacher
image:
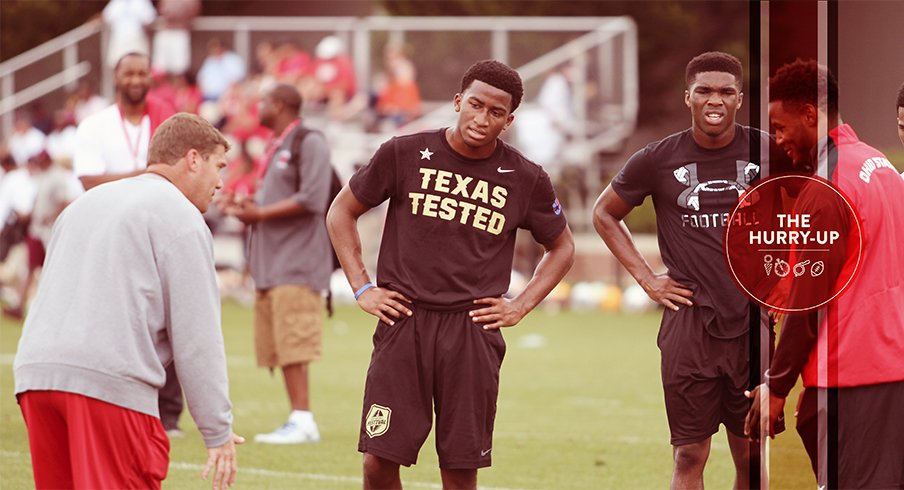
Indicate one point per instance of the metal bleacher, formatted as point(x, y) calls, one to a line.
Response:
point(601, 50)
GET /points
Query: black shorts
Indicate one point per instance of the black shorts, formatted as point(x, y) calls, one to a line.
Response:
point(703, 378)
point(864, 438)
point(430, 362)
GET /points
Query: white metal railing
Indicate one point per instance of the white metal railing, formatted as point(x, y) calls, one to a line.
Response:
point(358, 33)
point(72, 70)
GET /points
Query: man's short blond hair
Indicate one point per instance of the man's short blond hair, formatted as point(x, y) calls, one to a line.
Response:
point(182, 132)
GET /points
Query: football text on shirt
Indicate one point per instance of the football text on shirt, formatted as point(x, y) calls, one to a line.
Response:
point(448, 202)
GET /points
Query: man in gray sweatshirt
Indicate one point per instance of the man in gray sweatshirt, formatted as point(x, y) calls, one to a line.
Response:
point(129, 287)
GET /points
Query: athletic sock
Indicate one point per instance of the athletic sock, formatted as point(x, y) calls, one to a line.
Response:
point(301, 416)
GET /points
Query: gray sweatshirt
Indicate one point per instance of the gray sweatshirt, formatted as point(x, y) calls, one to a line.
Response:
point(128, 287)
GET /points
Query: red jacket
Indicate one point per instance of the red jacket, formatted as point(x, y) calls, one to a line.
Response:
point(861, 338)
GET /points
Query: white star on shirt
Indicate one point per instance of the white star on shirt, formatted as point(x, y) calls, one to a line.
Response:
point(425, 153)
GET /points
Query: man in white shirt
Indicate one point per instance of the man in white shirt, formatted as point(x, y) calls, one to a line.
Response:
point(26, 140)
point(127, 20)
point(113, 143)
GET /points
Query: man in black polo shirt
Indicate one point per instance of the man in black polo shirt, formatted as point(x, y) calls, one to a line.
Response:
point(456, 197)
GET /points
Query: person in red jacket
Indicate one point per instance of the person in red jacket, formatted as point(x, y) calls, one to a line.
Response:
point(850, 353)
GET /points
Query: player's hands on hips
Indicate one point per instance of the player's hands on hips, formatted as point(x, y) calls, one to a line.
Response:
point(221, 460)
point(755, 417)
point(384, 304)
point(500, 312)
point(667, 291)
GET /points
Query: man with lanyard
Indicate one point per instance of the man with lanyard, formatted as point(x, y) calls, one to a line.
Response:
point(113, 144)
point(289, 255)
point(850, 354)
point(456, 196)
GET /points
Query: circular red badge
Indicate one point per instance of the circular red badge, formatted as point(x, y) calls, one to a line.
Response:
point(793, 242)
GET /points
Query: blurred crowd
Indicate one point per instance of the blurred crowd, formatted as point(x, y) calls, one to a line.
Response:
point(36, 176)
point(226, 89)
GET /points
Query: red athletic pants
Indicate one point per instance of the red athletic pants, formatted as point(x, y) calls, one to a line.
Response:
point(81, 442)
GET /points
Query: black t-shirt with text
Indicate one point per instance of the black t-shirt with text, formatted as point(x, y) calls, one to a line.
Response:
point(449, 236)
point(694, 191)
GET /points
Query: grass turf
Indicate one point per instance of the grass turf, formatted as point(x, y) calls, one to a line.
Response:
point(580, 407)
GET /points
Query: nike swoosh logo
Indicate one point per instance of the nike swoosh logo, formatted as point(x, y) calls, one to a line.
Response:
point(504, 170)
point(484, 453)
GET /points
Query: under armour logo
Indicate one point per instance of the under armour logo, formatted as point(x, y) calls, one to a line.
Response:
point(687, 175)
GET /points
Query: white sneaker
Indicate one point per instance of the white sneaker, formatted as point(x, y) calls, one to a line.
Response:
point(291, 433)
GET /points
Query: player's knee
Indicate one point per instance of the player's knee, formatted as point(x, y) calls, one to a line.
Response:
point(378, 470)
point(690, 458)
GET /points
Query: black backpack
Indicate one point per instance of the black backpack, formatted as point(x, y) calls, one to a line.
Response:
point(335, 187)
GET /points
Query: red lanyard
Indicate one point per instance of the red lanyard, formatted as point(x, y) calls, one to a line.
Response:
point(133, 149)
point(274, 144)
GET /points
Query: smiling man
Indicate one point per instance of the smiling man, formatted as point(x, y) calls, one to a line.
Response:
point(850, 353)
point(695, 178)
point(113, 143)
point(456, 198)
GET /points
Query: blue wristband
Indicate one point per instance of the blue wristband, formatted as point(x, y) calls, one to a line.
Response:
point(363, 288)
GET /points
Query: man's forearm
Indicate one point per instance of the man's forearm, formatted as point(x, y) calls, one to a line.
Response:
point(343, 231)
point(287, 208)
point(796, 341)
point(556, 262)
point(618, 238)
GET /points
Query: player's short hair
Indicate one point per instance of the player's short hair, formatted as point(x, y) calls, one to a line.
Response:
point(182, 132)
point(901, 96)
point(714, 61)
point(288, 96)
point(804, 82)
point(130, 53)
point(497, 74)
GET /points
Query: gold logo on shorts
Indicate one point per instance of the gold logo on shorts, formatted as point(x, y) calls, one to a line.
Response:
point(377, 422)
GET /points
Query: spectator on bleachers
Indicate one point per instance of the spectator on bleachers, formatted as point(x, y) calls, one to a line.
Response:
point(172, 43)
point(85, 102)
point(266, 58)
point(54, 188)
point(40, 118)
point(294, 63)
point(178, 91)
point(332, 80)
point(17, 197)
point(26, 140)
point(238, 108)
point(399, 99)
point(241, 175)
point(221, 69)
point(127, 20)
point(61, 142)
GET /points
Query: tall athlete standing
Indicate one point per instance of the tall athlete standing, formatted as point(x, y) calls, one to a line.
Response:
point(456, 197)
point(695, 178)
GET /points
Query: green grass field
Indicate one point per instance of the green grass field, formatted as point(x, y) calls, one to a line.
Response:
point(584, 410)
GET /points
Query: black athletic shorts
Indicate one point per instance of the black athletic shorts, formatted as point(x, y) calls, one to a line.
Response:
point(703, 378)
point(865, 438)
point(433, 361)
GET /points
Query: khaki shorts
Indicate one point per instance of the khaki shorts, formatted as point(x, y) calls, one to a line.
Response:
point(287, 324)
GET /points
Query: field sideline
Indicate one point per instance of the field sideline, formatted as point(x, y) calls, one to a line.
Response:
point(580, 408)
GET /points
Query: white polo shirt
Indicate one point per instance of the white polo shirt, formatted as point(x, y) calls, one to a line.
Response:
point(108, 143)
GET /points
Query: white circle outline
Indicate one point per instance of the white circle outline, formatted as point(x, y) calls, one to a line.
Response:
point(859, 239)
